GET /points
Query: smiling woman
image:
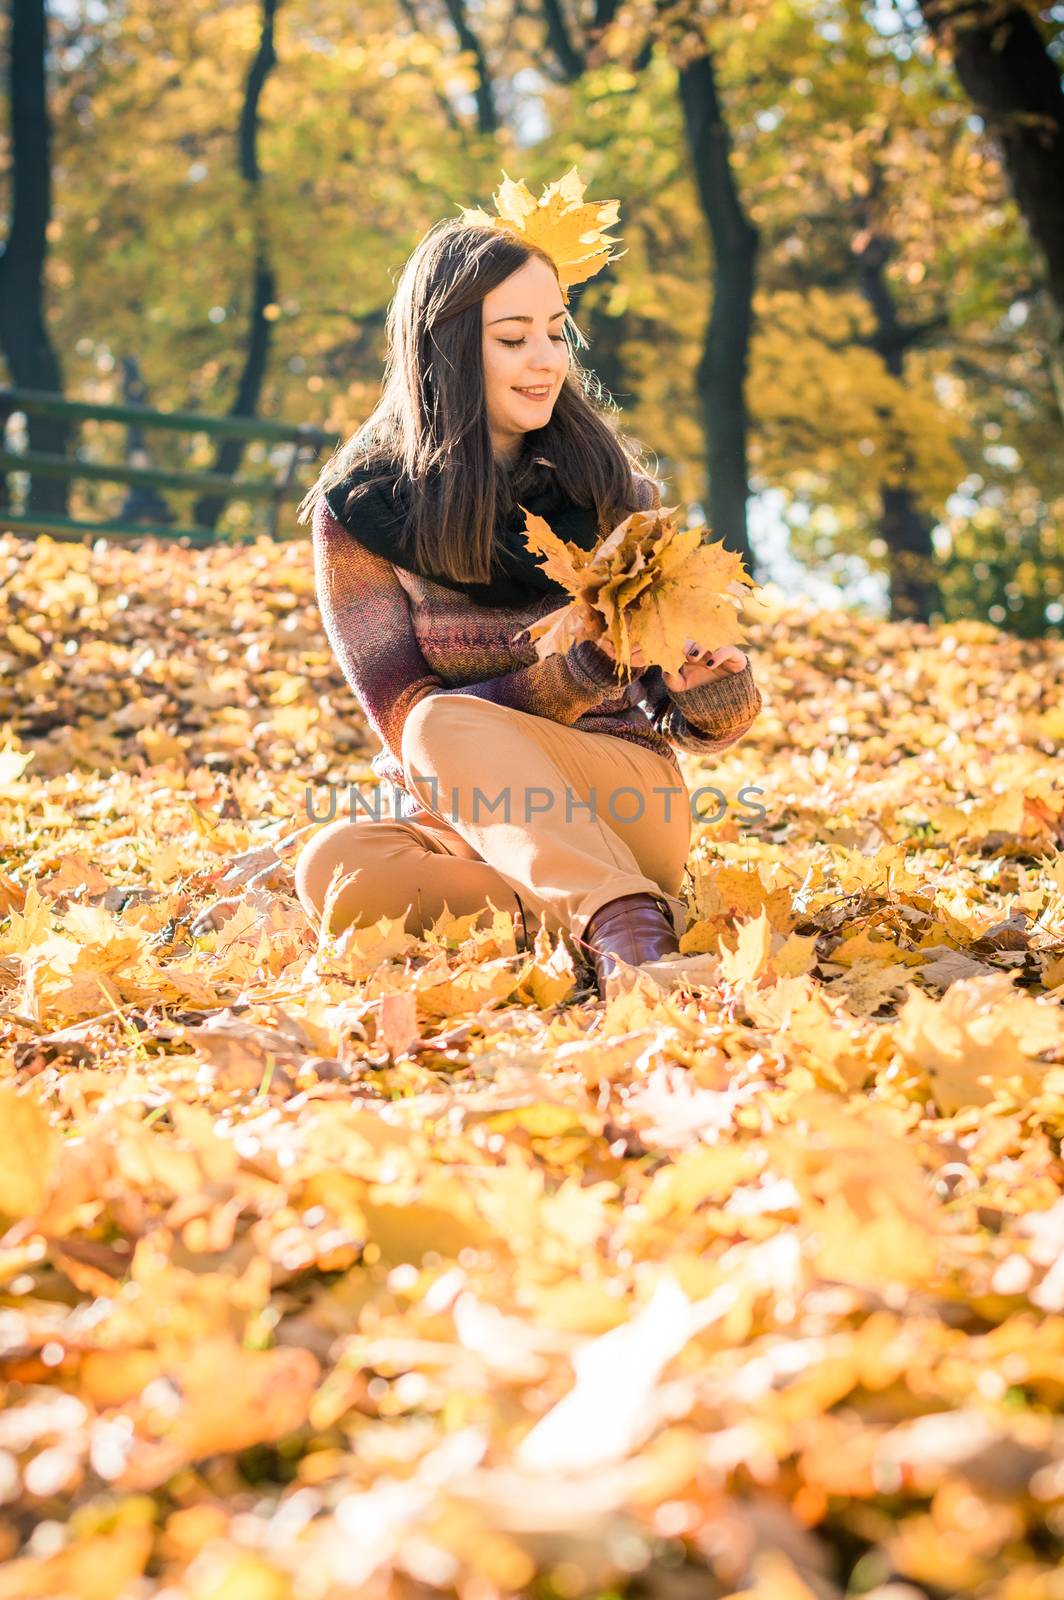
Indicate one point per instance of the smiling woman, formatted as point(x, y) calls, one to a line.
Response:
point(478, 315)
point(428, 589)
point(525, 354)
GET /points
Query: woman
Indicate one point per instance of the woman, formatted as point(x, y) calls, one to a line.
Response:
point(548, 787)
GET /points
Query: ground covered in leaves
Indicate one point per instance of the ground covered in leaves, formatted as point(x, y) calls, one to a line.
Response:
point(385, 1266)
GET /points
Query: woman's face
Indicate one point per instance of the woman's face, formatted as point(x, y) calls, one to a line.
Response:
point(524, 348)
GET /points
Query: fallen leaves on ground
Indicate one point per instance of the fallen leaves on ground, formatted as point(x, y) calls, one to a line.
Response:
point(386, 1266)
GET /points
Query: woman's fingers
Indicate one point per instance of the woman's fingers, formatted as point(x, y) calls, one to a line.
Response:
point(726, 656)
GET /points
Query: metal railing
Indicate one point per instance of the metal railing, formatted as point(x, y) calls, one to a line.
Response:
point(31, 402)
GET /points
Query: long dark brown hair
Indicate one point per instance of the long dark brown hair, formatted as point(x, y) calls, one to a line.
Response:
point(430, 430)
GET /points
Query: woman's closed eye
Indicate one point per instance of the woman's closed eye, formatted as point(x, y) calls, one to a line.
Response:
point(558, 338)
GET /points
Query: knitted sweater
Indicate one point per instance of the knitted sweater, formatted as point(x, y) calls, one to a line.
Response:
point(399, 637)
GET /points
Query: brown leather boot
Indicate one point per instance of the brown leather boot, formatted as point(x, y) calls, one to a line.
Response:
point(633, 928)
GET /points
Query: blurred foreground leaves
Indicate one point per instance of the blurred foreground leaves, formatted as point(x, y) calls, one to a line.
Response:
point(387, 1265)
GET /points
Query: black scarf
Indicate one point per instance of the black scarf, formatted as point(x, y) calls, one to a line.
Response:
point(377, 521)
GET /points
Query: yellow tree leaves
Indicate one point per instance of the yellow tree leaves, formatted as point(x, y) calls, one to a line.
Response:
point(811, 365)
point(829, 423)
point(649, 586)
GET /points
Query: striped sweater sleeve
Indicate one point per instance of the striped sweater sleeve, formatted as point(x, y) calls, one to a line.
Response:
point(366, 615)
point(706, 719)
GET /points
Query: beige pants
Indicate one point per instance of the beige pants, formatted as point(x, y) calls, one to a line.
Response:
point(516, 809)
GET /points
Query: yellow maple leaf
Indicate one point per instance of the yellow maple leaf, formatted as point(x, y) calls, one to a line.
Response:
point(751, 955)
point(358, 951)
point(13, 763)
point(550, 977)
point(27, 927)
point(560, 222)
point(267, 1393)
point(978, 1035)
point(451, 991)
point(28, 1150)
point(863, 1193)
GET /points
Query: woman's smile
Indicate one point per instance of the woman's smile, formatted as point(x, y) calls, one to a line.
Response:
point(541, 393)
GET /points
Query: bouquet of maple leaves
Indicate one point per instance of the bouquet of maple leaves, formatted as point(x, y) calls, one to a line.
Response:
point(645, 591)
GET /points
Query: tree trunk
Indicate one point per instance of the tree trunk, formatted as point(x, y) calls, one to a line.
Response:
point(1003, 63)
point(906, 531)
point(722, 369)
point(914, 590)
point(230, 452)
point(31, 359)
point(469, 40)
point(568, 56)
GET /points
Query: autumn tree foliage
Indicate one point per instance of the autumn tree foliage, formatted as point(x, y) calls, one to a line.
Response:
point(892, 369)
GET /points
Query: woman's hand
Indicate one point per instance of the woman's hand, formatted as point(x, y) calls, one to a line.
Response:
point(704, 666)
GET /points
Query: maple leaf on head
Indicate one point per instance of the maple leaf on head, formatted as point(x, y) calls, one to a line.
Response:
point(561, 222)
point(649, 585)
